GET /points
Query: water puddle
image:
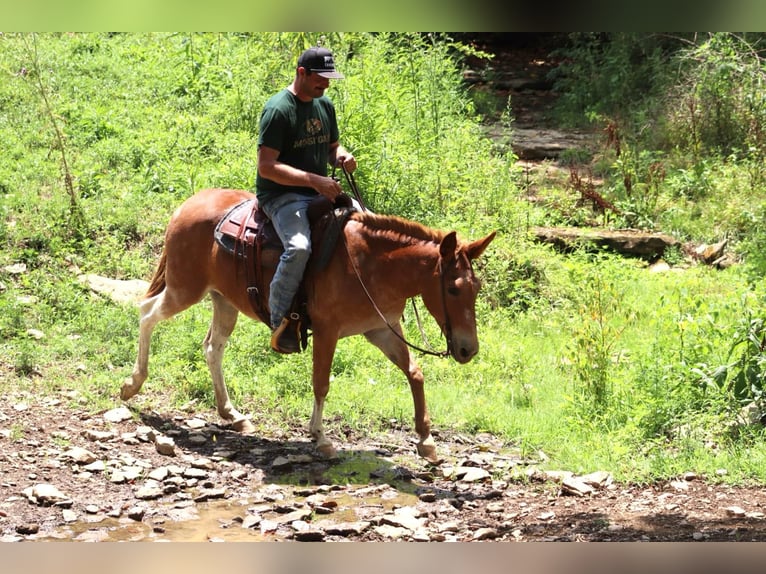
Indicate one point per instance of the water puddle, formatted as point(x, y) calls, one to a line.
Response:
point(358, 487)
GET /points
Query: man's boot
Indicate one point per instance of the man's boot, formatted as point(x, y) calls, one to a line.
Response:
point(285, 338)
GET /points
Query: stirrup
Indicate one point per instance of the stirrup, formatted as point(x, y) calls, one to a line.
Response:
point(285, 338)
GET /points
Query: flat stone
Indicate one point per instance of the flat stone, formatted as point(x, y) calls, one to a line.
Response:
point(118, 415)
point(79, 455)
point(47, 495)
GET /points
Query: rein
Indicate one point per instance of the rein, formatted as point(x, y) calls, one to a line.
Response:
point(442, 278)
point(351, 184)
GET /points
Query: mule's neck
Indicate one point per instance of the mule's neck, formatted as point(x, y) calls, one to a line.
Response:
point(404, 262)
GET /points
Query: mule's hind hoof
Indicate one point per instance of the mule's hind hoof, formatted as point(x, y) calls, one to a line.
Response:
point(328, 451)
point(243, 426)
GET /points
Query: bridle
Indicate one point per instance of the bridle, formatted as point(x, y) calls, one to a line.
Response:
point(446, 329)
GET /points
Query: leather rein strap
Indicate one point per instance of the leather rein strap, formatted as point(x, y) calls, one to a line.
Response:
point(442, 278)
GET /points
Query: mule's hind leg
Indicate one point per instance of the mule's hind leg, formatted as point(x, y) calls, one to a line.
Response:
point(151, 311)
point(399, 354)
point(221, 327)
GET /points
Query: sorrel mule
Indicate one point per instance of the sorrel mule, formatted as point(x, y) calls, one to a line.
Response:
point(378, 258)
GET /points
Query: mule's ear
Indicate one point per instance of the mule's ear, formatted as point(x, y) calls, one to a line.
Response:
point(448, 245)
point(476, 248)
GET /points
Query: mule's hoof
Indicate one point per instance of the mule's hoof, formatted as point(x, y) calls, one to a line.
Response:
point(243, 426)
point(428, 452)
point(327, 451)
point(126, 392)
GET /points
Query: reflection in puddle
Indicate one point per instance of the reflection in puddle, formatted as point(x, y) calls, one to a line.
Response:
point(357, 487)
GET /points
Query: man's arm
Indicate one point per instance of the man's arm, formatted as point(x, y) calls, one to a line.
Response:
point(271, 168)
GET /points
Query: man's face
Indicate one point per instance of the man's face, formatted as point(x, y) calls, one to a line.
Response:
point(311, 85)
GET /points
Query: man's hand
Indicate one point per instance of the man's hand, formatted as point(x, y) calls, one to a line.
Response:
point(346, 161)
point(326, 186)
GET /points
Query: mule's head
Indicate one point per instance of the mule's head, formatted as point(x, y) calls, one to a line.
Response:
point(452, 298)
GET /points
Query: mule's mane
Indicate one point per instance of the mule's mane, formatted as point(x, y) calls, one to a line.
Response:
point(392, 225)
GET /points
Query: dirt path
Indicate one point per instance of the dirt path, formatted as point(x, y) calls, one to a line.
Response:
point(108, 481)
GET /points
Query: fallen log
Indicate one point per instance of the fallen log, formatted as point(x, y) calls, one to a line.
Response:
point(647, 245)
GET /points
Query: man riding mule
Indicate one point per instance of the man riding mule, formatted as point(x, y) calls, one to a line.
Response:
point(297, 140)
point(377, 264)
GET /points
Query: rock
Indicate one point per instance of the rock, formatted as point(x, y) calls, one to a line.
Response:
point(485, 534)
point(251, 521)
point(159, 474)
point(16, 268)
point(97, 535)
point(305, 532)
point(735, 511)
point(598, 479)
point(466, 473)
point(148, 492)
point(69, 515)
point(309, 536)
point(118, 415)
point(343, 528)
point(405, 517)
point(576, 487)
point(96, 435)
point(280, 462)
point(681, 485)
point(391, 532)
point(47, 495)
point(95, 466)
point(300, 514)
point(195, 423)
point(204, 463)
point(659, 266)
point(197, 473)
point(131, 473)
point(79, 455)
point(165, 445)
point(128, 291)
point(210, 494)
point(197, 439)
point(29, 528)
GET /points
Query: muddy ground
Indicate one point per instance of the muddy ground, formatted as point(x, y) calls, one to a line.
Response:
point(110, 481)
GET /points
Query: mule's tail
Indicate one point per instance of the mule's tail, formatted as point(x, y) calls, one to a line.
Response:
point(158, 281)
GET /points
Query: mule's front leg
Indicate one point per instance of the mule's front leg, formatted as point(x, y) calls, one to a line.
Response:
point(393, 347)
point(426, 445)
point(322, 354)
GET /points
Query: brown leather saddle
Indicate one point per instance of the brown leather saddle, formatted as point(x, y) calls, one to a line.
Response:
point(248, 234)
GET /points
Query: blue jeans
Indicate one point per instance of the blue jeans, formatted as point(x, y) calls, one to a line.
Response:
point(288, 213)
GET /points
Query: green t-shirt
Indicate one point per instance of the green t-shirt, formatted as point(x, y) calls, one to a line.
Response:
point(302, 132)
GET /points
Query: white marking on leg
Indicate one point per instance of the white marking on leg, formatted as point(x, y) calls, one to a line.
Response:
point(324, 445)
point(151, 312)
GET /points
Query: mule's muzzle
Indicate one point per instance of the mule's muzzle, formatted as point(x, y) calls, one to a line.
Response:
point(463, 352)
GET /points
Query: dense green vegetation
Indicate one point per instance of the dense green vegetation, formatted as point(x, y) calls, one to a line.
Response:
point(589, 357)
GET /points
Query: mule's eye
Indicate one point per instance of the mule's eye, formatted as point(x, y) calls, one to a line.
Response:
point(454, 291)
